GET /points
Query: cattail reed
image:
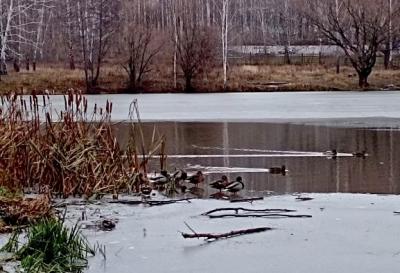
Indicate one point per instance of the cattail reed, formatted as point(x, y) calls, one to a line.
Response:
point(71, 155)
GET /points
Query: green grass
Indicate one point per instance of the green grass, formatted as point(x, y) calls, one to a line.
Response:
point(51, 248)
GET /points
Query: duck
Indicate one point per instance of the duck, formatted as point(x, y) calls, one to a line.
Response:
point(107, 225)
point(162, 179)
point(235, 186)
point(332, 153)
point(196, 179)
point(180, 175)
point(220, 184)
point(140, 180)
point(146, 190)
point(361, 154)
point(278, 170)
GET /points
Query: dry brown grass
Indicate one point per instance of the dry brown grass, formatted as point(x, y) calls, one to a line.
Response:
point(304, 78)
point(75, 154)
point(22, 211)
point(56, 80)
point(241, 78)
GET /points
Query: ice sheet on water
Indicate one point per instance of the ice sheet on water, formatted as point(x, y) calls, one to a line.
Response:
point(347, 233)
point(300, 106)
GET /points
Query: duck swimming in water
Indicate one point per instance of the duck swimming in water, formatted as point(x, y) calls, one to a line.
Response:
point(361, 154)
point(278, 170)
point(220, 184)
point(235, 186)
point(332, 153)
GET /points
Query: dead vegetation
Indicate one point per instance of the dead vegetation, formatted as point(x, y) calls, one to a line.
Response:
point(241, 78)
point(20, 211)
point(72, 153)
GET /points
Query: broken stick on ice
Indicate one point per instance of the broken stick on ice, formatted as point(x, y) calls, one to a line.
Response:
point(211, 236)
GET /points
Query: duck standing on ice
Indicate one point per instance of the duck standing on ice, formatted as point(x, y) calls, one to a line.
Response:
point(235, 186)
point(220, 184)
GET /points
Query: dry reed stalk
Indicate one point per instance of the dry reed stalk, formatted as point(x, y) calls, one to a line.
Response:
point(75, 154)
point(23, 211)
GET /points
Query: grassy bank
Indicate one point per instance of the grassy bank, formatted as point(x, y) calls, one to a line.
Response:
point(242, 78)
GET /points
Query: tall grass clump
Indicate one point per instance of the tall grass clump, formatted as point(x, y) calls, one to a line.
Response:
point(69, 153)
point(51, 248)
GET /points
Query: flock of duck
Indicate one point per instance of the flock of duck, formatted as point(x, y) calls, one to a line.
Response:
point(180, 178)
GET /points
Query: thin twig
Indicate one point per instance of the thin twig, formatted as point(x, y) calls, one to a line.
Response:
point(247, 210)
point(247, 200)
point(210, 236)
point(189, 227)
point(267, 215)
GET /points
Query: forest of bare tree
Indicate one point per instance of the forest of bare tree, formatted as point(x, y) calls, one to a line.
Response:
point(188, 36)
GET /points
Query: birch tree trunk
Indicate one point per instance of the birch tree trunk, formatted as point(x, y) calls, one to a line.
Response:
point(388, 52)
point(224, 39)
point(5, 30)
point(39, 33)
point(70, 35)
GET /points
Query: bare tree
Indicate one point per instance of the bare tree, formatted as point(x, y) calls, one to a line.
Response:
point(286, 35)
point(97, 20)
point(360, 31)
point(43, 12)
point(388, 51)
point(22, 24)
point(70, 34)
point(11, 29)
point(195, 50)
point(141, 50)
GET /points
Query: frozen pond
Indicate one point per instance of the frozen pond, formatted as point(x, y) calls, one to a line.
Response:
point(255, 106)
point(246, 134)
point(347, 233)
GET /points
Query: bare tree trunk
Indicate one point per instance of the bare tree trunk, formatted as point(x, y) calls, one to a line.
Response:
point(4, 38)
point(224, 37)
point(188, 85)
point(70, 36)
point(363, 79)
point(39, 33)
point(287, 34)
point(175, 46)
point(337, 7)
point(83, 39)
point(19, 56)
point(388, 52)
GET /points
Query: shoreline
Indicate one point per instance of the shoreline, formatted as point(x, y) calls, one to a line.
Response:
point(242, 78)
